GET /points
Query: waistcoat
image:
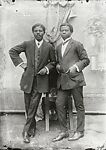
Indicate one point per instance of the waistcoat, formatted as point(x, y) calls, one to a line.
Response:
point(37, 55)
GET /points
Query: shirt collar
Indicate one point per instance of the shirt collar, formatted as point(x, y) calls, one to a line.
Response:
point(66, 40)
point(40, 42)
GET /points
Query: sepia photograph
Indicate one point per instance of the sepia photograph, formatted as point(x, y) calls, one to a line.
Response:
point(52, 74)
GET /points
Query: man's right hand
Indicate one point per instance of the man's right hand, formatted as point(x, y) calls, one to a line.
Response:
point(58, 68)
point(24, 65)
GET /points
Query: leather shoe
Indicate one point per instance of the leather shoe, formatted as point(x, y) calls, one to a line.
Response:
point(76, 136)
point(26, 137)
point(71, 134)
point(60, 137)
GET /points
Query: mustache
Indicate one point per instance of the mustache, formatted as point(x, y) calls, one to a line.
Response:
point(38, 35)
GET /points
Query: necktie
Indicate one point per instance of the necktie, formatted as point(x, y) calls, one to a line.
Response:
point(38, 44)
point(64, 45)
point(64, 42)
point(37, 55)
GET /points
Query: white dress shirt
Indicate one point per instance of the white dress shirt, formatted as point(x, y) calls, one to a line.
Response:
point(38, 43)
point(64, 45)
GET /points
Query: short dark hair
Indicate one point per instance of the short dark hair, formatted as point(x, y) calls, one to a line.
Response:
point(67, 24)
point(38, 24)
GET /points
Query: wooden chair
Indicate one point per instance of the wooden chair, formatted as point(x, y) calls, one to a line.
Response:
point(70, 111)
point(47, 111)
point(53, 85)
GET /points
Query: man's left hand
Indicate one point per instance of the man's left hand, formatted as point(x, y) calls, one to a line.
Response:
point(42, 71)
point(72, 69)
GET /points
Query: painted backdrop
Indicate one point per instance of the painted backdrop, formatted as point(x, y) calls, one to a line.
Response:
point(89, 22)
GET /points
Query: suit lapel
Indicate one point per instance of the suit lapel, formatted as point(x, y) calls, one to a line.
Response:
point(43, 52)
point(68, 47)
point(60, 54)
point(32, 50)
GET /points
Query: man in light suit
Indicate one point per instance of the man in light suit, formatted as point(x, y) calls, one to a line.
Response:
point(71, 60)
point(41, 60)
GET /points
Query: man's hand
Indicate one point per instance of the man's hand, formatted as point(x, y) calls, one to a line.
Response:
point(72, 69)
point(24, 65)
point(58, 68)
point(42, 71)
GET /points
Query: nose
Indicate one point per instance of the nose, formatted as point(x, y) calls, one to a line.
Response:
point(64, 31)
point(38, 32)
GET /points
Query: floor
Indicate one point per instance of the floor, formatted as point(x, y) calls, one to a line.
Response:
point(11, 138)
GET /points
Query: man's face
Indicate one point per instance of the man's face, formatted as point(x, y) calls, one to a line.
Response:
point(38, 33)
point(65, 32)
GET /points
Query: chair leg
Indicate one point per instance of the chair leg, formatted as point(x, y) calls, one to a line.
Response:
point(47, 111)
point(70, 109)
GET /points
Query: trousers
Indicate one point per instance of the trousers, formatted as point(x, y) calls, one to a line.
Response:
point(62, 97)
point(31, 104)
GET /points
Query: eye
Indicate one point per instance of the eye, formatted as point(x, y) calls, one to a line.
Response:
point(40, 31)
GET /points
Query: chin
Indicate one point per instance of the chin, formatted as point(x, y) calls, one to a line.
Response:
point(64, 38)
point(38, 39)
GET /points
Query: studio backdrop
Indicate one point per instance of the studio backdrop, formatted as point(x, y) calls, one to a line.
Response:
point(89, 22)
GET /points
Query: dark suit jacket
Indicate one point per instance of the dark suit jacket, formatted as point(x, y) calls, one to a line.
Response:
point(74, 54)
point(47, 58)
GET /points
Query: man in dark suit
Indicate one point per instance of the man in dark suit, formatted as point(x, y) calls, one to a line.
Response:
point(41, 60)
point(71, 60)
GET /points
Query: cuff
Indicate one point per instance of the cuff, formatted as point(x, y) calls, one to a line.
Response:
point(76, 67)
point(47, 69)
point(20, 64)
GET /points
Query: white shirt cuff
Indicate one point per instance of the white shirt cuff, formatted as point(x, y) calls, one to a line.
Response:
point(20, 64)
point(47, 70)
point(76, 67)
